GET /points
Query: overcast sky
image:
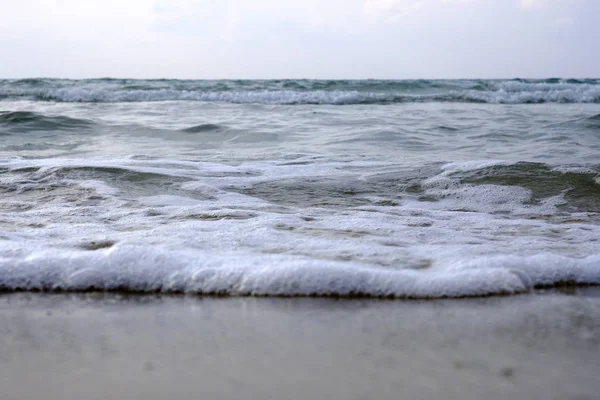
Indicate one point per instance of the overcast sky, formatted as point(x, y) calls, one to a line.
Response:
point(399, 39)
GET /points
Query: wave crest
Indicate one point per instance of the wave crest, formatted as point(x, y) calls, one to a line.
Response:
point(290, 92)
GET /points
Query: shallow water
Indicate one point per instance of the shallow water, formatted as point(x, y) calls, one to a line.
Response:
point(404, 189)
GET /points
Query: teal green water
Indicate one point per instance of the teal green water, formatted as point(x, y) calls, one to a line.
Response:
point(378, 188)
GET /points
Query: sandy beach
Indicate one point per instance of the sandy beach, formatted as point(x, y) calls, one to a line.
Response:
point(544, 345)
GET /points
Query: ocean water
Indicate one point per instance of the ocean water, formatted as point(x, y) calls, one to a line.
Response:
point(408, 189)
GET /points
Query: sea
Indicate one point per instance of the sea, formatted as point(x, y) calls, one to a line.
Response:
point(343, 188)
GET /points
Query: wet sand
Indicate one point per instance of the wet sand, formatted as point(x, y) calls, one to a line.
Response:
point(544, 345)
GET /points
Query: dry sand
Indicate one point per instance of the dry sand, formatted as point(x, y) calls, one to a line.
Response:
point(544, 345)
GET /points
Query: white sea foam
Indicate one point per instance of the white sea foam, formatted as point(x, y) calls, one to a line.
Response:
point(306, 91)
point(207, 237)
point(148, 269)
point(260, 97)
point(473, 165)
point(507, 92)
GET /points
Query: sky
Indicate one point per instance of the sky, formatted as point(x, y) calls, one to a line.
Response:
point(326, 39)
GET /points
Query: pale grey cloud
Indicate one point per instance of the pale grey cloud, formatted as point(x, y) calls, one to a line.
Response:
point(534, 3)
point(193, 15)
point(299, 38)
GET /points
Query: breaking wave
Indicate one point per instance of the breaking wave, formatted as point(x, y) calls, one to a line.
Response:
point(290, 92)
point(471, 228)
point(143, 269)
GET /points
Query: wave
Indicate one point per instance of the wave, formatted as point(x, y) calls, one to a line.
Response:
point(143, 269)
point(203, 128)
point(289, 97)
point(292, 92)
point(323, 97)
point(25, 120)
point(472, 228)
point(579, 189)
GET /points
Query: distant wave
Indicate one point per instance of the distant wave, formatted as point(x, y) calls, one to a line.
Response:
point(288, 97)
point(290, 92)
point(202, 128)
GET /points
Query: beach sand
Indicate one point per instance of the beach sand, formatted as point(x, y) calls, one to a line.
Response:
point(543, 345)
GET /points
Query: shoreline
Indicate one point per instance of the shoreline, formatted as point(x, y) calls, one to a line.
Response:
point(567, 288)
